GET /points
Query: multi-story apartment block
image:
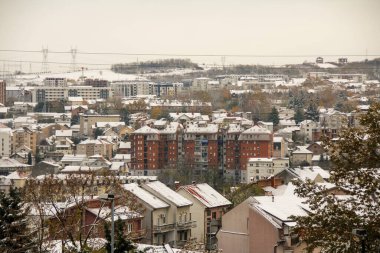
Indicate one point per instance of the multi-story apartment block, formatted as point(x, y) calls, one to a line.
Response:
point(55, 81)
point(255, 142)
point(263, 168)
point(3, 92)
point(95, 147)
point(200, 146)
point(88, 120)
point(155, 147)
point(132, 88)
point(331, 122)
point(25, 137)
point(167, 89)
point(6, 137)
point(308, 129)
point(54, 93)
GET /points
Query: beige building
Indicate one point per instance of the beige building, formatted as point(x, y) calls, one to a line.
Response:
point(207, 209)
point(95, 147)
point(6, 140)
point(280, 147)
point(301, 155)
point(178, 215)
point(58, 93)
point(25, 137)
point(87, 121)
point(263, 168)
point(262, 224)
point(159, 226)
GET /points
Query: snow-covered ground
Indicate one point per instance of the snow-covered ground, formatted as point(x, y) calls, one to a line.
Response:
point(105, 74)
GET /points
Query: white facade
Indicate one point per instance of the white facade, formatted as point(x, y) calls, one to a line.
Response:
point(262, 168)
point(5, 142)
point(132, 88)
point(307, 127)
point(54, 93)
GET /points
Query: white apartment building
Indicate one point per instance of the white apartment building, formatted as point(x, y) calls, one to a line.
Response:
point(307, 127)
point(262, 168)
point(6, 137)
point(54, 93)
point(132, 88)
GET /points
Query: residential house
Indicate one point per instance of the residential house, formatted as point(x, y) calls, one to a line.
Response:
point(95, 147)
point(208, 208)
point(159, 227)
point(179, 215)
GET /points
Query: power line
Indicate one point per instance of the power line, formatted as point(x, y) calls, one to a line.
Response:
point(195, 55)
point(213, 65)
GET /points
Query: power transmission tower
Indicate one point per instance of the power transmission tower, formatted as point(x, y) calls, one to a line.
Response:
point(73, 59)
point(45, 52)
point(223, 61)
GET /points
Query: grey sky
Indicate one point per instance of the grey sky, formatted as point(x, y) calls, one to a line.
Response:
point(189, 27)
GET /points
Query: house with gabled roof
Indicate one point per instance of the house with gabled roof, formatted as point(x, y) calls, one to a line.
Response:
point(207, 209)
point(178, 216)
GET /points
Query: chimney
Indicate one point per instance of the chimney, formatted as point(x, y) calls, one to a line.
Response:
point(177, 184)
point(272, 198)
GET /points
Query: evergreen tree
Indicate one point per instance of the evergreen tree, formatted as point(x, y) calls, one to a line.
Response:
point(299, 115)
point(274, 117)
point(356, 161)
point(98, 132)
point(122, 244)
point(312, 112)
point(14, 233)
point(30, 161)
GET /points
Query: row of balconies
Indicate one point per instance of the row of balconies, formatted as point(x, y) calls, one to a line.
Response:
point(178, 225)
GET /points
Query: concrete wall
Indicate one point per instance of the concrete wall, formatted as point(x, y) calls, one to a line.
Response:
point(233, 237)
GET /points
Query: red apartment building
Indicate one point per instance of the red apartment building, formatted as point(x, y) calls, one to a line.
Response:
point(200, 145)
point(155, 147)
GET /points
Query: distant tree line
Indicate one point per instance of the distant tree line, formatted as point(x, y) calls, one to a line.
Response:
point(152, 66)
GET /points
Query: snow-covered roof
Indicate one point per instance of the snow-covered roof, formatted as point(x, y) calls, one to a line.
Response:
point(122, 157)
point(64, 133)
point(252, 160)
point(302, 150)
point(207, 195)
point(257, 130)
point(109, 124)
point(146, 130)
point(6, 162)
point(120, 213)
point(199, 128)
point(126, 145)
point(167, 193)
point(145, 196)
point(281, 207)
point(77, 168)
point(73, 158)
point(310, 173)
point(277, 139)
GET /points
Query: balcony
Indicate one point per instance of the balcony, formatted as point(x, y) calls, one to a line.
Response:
point(186, 225)
point(163, 228)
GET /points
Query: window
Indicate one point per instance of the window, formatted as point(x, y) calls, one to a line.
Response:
point(129, 227)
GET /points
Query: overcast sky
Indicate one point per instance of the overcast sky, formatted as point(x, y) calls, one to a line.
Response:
point(265, 27)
